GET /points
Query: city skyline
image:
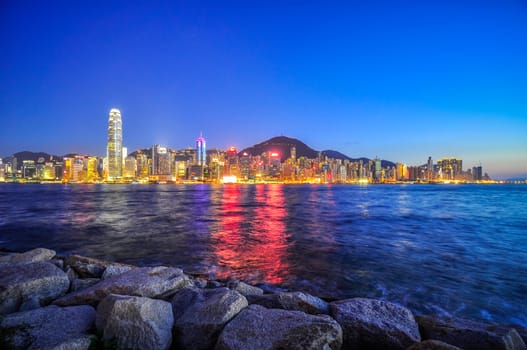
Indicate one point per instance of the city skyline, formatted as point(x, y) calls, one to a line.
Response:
point(398, 82)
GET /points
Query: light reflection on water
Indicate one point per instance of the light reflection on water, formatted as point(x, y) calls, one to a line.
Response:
point(457, 250)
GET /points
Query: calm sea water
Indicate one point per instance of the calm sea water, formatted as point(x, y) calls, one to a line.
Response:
point(457, 250)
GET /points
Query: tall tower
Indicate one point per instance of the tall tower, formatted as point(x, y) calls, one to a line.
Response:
point(201, 150)
point(114, 149)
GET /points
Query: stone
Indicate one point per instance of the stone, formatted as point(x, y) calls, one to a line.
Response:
point(468, 334)
point(375, 324)
point(34, 255)
point(432, 345)
point(24, 286)
point(135, 322)
point(114, 270)
point(152, 282)
point(303, 302)
point(89, 267)
point(258, 328)
point(72, 275)
point(244, 288)
point(205, 314)
point(269, 301)
point(51, 327)
point(83, 283)
point(57, 262)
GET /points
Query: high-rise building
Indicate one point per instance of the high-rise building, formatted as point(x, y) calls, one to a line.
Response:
point(115, 146)
point(161, 162)
point(201, 151)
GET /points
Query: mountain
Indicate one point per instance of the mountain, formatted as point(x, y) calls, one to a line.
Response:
point(37, 157)
point(283, 144)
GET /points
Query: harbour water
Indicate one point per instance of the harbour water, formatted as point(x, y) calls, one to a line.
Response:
point(458, 250)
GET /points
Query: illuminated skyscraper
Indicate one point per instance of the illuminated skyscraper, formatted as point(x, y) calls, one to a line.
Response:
point(201, 150)
point(115, 145)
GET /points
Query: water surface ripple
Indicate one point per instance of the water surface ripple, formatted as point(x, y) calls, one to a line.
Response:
point(458, 250)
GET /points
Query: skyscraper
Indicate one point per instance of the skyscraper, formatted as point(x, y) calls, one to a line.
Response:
point(115, 146)
point(201, 150)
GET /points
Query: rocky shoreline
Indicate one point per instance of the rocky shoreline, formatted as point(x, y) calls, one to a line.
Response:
point(76, 302)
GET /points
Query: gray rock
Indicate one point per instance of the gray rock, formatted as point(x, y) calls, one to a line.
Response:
point(269, 301)
point(135, 322)
point(432, 345)
point(34, 255)
point(200, 282)
point(206, 313)
point(89, 267)
point(303, 302)
point(57, 262)
point(259, 328)
point(244, 288)
point(83, 283)
point(152, 282)
point(24, 286)
point(114, 270)
point(469, 334)
point(72, 275)
point(375, 324)
point(51, 327)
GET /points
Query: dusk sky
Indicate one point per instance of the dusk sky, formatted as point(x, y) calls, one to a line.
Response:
point(400, 80)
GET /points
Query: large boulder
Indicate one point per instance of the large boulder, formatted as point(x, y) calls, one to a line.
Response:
point(50, 327)
point(114, 270)
point(200, 315)
point(34, 255)
point(25, 286)
point(303, 302)
point(152, 282)
point(259, 328)
point(135, 322)
point(269, 301)
point(375, 324)
point(432, 345)
point(90, 267)
point(468, 334)
point(83, 283)
point(244, 288)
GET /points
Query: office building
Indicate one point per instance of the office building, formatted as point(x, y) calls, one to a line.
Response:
point(115, 146)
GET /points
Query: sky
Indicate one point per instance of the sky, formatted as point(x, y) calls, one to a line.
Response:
point(401, 80)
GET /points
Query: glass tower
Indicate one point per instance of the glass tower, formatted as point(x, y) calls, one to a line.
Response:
point(201, 150)
point(115, 145)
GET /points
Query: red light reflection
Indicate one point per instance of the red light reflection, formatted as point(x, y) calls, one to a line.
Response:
point(253, 247)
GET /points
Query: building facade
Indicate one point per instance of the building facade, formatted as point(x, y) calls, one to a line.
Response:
point(115, 146)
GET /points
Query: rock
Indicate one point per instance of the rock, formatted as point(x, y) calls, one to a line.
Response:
point(135, 322)
point(214, 284)
point(58, 263)
point(370, 323)
point(244, 289)
point(303, 302)
point(89, 267)
point(72, 275)
point(259, 328)
point(114, 270)
point(83, 283)
point(432, 345)
point(24, 286)
point(206, 313)
point(50, 327)
point(34, 255)
point(200, 282)
point(152, 282)
point(269, 301)
point(469, 334)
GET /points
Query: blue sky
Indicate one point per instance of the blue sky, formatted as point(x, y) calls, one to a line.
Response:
point(401, 80)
